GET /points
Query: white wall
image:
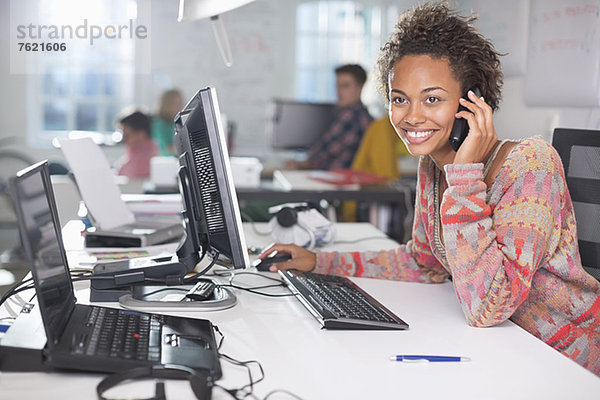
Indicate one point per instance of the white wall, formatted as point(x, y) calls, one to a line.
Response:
point(185, 55)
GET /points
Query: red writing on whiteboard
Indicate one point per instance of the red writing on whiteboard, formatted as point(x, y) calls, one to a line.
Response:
point(581, 10)
point(559, 44)
point(575, 11)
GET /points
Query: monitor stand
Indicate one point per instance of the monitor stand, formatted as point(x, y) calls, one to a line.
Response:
point(111, 280)
point(153, 298)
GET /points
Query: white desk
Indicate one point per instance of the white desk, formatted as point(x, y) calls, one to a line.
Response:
point(507, 362)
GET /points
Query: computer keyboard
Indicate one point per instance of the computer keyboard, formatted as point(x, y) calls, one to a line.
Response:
point(338, 303)
point(124, 334)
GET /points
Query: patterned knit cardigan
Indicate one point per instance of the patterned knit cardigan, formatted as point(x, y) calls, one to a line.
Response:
point(511, 250)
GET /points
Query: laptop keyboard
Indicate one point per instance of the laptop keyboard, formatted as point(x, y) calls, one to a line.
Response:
point(124, 334)
point(338, 303)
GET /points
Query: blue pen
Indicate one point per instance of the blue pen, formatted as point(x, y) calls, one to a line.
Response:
point(421, 358)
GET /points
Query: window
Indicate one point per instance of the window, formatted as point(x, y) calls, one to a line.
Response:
point(78, 98)
point(329, 34)
point(83, 88)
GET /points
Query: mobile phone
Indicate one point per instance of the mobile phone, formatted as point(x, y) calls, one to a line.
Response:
point(460, 129)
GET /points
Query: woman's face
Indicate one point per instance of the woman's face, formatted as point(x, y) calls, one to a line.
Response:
point(423, 102)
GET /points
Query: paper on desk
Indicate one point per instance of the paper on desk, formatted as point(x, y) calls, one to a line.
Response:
point(87, 258)
point(96, 183)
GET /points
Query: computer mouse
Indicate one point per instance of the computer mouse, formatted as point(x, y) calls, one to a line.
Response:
point(264, 263)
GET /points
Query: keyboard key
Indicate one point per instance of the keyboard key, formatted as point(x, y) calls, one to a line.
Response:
point(126, 335)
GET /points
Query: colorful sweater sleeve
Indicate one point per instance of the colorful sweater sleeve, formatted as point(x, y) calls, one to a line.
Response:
point(411, 262)
point(493, 253)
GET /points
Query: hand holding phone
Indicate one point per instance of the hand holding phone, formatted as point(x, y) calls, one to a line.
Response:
point(460, 129)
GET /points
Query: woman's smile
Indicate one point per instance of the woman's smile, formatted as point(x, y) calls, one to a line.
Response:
point(418, 136)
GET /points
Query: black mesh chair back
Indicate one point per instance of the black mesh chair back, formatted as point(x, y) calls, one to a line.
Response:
point(580, 153)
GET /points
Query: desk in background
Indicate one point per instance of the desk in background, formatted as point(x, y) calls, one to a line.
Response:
point(298, 356)
point(390, 205)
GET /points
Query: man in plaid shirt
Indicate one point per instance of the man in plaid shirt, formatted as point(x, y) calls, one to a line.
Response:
point(338, 145)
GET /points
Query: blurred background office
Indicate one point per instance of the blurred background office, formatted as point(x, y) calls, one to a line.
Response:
point(276, 49)
point(285, 49)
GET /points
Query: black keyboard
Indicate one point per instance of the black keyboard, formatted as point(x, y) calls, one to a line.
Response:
point(124, 334)
point(338, 303)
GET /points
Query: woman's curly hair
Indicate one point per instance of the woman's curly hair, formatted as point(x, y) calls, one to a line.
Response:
point(440, 32)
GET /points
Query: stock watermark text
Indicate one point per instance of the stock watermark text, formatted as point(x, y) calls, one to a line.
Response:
point(83, 31)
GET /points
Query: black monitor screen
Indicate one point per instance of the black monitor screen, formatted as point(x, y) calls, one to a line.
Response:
point(297, 125)
point(209, 195)
point(42, 242)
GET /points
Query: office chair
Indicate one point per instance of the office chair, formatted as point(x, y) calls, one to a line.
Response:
point(580, 153)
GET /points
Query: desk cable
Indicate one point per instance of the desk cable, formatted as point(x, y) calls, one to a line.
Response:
point(248, 389)
point(27, 284)
point(85, 274)
point(197, 378)
point(17, 288)
point(253, 225)
point(254, 289)
point(232, 275)
point(200, 380)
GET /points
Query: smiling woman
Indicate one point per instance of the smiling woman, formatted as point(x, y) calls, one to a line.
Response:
point(424, 99)
point(495, 216)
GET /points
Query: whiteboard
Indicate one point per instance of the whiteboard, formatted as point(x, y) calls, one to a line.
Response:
point(563, 62)
point(504, 23)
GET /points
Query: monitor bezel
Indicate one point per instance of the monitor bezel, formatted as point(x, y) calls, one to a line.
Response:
point(42, 169)
point(217, 144)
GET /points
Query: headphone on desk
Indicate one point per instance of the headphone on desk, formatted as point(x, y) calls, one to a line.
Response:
point(201, 382)
point(302, 224)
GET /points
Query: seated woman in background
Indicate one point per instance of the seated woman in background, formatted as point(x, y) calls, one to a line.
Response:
point(377, 153)
point(163, 126)
point(495, 215)
point(135, 163)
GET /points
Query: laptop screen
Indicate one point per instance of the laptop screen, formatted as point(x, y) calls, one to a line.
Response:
point(40, 236)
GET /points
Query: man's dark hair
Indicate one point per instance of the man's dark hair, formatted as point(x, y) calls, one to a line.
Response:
point(137, 120)
point(358, 72)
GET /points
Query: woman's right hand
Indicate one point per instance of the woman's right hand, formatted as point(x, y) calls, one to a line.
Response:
point(302, 259)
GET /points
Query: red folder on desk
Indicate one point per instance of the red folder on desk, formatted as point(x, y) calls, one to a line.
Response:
point(346, 177)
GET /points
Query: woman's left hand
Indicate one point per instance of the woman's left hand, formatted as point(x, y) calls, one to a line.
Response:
point(482, 136)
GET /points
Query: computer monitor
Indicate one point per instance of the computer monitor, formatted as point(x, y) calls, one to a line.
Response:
point(206, 183)
point(295, 125)
point(211, 215)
